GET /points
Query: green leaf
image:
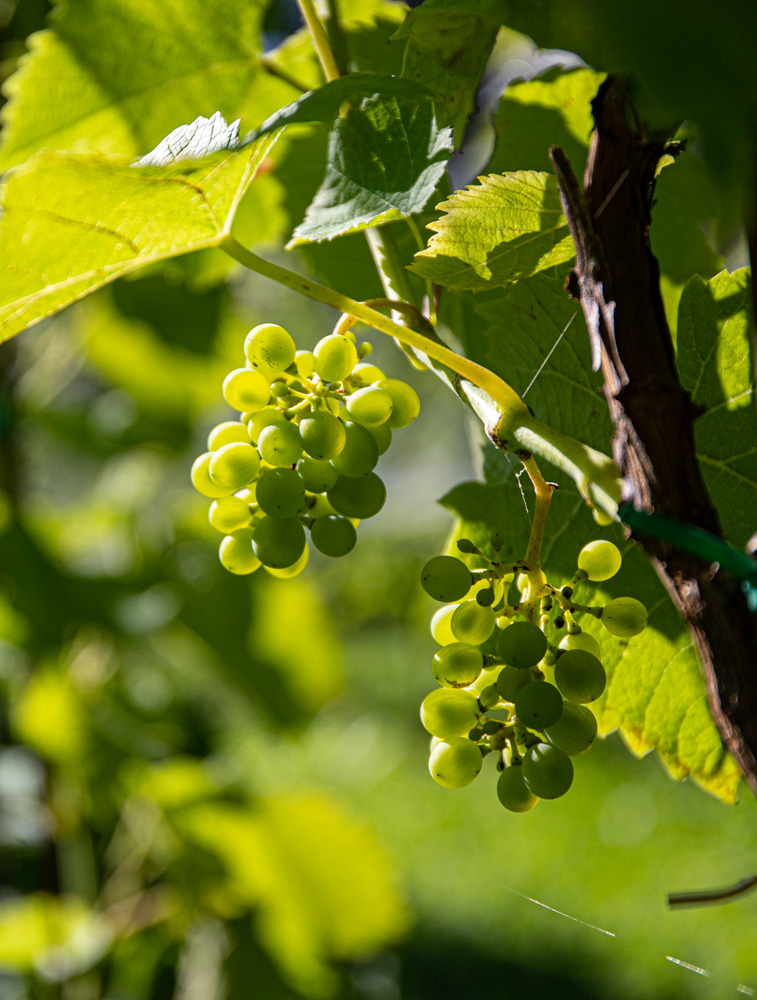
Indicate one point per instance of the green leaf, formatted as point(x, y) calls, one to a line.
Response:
point(715, 365)
point(165, 61)
point(384, 161)
point(71, 223)
point(656, 695)
point(322, 105)
point(497, 231)
point(448, 45)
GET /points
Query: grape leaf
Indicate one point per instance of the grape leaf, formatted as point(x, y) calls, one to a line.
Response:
point(384, 160)
point(715, 365)
point(165, 61)
point(495, 232)
point(656, 695)
point(73, 222)
point(447, 49)
point(323, 105)
point(202, 137)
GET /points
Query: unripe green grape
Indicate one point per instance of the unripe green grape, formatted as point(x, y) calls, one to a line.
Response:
point(440, 626)
point(405, 403)
point(334, 536)
point(363, 375)
point(513, 792)
point(382, 435)
point(489, 698)
point(580, 676)
point(317, 476)
point(323, 435)
point(278, 542)
point(487, 678)
point(245, 389)
point(455, 764)
point(269, 348)
point(335, 357)
point(280, 444)
point(291, 571)
point(226, 433)
point(522, 645)
point(247, 494)
point(473, 623)
point(305, 363)
point(236, 553)
point(364, 350)
point(280, 492)
point(370, 406)
point(624, 617)
point(320, 507)
point(538, 705)
point(265, 417)
point(363, 497)
point(547, 771)
point(457, 665)
point(510, 680)
point(600, 560)
point(360, 453)
point(575, 730)
point(229, 514)
point(200, 475)
point(234, 465)
point(445, 578)
point(446, 713)
point(581, 640)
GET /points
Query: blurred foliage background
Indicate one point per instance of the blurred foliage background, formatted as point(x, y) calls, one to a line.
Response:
point(215, 787)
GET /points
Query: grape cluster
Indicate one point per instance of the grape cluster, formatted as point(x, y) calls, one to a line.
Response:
point(515, 679)
point(302, 455)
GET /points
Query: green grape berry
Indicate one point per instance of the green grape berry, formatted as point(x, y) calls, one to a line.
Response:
point(446, 712)
point(370, 406)
point(269, 348)
point(237, 555)
point(600, 560)
point(234, 465)
point(580, 676)
point(581, 640)
point(280, 492)
point(382, 435)
point(522, 645)
point(359, 454)
point(473, 623)
point(226, 433)
point(538, 705)
point(624, 617)
point(547, 771)
point(362, 498)
point(510, 680)
point(364, 374)
point(513, 792)
point(278, 542)
point(334, 536)
point(405, 403)
point(280, 444)
point(317, 476)
point(441, 628)
point(334, 357)
point(457, 665)
point(304, 363)
point(267, 416)
point(323, 435)
point(446, 578)
point(200, 475)
point(288, 572)
point(245, 389)
point(229, 514)
point(455, 764)
point(575, 730)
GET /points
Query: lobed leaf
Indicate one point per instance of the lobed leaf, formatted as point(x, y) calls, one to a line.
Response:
point(384, 161)
point(716, 366)
point(71, 223)
point(497, 231)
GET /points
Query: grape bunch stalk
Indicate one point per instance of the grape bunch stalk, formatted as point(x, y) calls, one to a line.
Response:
point(515, 679)
point(301, 456)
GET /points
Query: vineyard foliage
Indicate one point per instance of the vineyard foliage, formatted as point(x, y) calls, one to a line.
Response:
point(313, 164)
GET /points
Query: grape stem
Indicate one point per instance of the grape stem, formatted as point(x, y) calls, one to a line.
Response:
point(320, 41)
point(509, 422)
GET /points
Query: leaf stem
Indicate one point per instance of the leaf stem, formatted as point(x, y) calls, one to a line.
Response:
point(320, 41)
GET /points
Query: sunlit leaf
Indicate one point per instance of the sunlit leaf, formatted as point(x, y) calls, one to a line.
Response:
point(50, 718)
